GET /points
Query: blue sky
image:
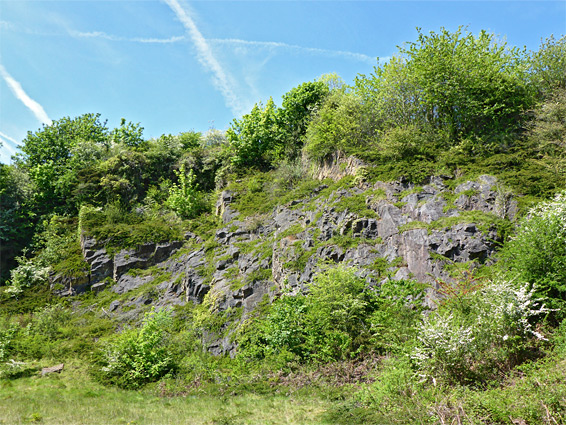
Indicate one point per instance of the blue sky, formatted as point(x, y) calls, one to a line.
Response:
point(177, 65)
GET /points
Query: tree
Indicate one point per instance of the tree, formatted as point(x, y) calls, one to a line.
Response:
point(471, 86)
point(548, 66)
point(53, 154)
point(184, 197)
point(337, 126)
point(254, 136)
point(16, 218)
point(129, 134)
point(299, 105)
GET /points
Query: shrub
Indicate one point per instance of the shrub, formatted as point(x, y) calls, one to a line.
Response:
point(139, 355)
point(118, 229)
point(184, 197)
point(340, 317)
point(395, 319)
point(48, 321)
point(27, 274)
point(8, 332)
point(485, 332)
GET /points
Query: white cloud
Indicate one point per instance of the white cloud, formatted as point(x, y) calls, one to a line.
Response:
point(220, 78)
point(23, 97)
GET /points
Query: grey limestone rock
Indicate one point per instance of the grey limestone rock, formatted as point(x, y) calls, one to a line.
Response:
point(233, 274)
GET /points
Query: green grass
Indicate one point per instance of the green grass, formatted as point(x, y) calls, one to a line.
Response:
point(131, 231)
point(484, 221)
point(73, 398)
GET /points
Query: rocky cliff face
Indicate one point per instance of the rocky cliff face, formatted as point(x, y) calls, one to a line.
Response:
point(386, 230)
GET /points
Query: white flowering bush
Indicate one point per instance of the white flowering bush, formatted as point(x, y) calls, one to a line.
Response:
point(487, 331)
point(27, 274)
point(537, 253)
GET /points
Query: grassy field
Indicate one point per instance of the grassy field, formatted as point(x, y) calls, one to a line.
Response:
point(72, 398)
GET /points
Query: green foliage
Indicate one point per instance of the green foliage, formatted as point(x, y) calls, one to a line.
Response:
point(458, 82)
point(548, 129)
point(8, 331)
point(48, 322)
point(411, 142)
point(59, 247)
point(298, 106)
point(16, 216)
point(28, 274)
point(337, 126)
point(548, 65)
point(54, 154)
point(128, 134)
point(118, 229)
point(395, 319)
point(339, 318)
point(184, 197)
point(537, 253)
point(139, 355)
point(254, 137)
point(269, 133)
point(123, 177)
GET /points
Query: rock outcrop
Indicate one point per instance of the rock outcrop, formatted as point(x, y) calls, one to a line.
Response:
point(385, 230)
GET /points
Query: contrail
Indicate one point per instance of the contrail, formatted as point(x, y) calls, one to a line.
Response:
point(205, 56)
point(6, 137)
point(105, 36)
point(271, 45)
point(6, 145)
point(301, 49)
point(23, 97)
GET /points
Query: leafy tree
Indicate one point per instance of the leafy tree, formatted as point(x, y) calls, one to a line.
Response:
point(184, 197)
point(337, 126)
point(128, 134)
point(548, 66)
point(124, 177)
point(16, 215)
point(469, 85)
point(254, 136)
point(269, 133)
point(52, 155)
point(190, 139)
point(299, 104)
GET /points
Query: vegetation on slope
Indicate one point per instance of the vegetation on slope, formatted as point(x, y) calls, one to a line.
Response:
point(452, 104)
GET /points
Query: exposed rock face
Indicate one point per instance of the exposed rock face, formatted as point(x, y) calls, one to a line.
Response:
point(399, 231)
point(336, 166)
point(104, 267)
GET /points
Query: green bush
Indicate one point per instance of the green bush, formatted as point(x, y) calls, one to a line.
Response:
point(49, 321)
point(184, 197)
point(138, 355)
point(8, 332)
point(340, 317)
point(119, 229)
